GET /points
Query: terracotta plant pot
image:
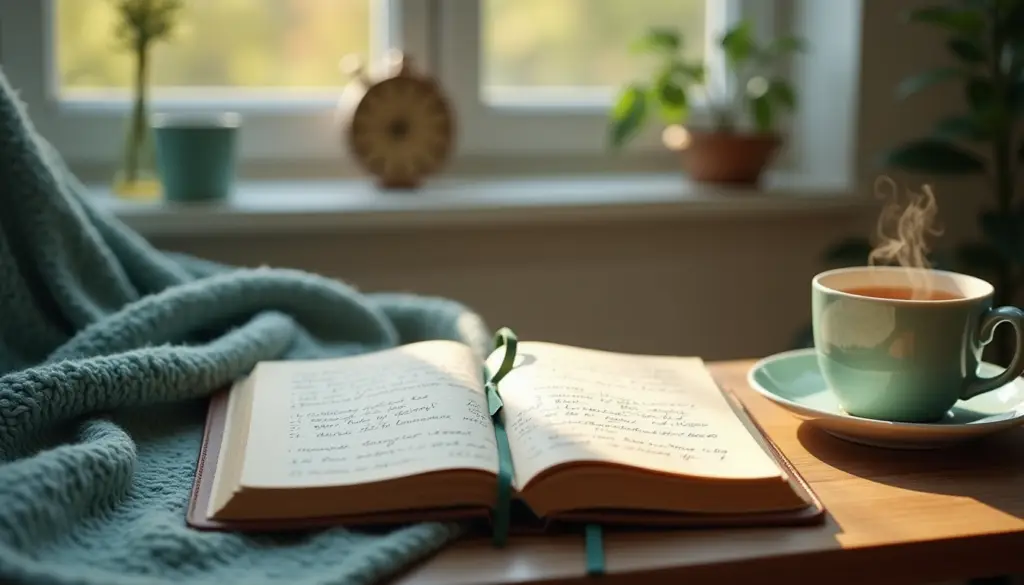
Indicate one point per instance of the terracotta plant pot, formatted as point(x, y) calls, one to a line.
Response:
point(722, 157)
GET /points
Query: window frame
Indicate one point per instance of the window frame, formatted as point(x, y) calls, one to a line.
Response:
point(274, 136)
point(560, 127)
point(302, 139)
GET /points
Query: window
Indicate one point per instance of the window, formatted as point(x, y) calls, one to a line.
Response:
point(572, 51)
point(256, 49)
point(535, 78)
point(529, 79)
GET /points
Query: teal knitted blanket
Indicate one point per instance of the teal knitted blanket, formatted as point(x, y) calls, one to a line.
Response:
point(108, 351)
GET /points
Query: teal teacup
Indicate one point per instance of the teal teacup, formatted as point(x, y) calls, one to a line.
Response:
point(195, 155)
point(904, 345)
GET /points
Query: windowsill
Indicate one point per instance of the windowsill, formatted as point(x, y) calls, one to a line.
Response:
point(265, 207)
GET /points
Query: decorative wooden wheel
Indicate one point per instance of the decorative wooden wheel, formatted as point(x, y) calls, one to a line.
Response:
point(400, 129)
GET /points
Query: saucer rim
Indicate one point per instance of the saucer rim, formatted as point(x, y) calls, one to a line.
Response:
point(805, 410)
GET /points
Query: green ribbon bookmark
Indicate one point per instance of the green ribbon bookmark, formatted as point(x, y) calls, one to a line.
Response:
point(502, 508)
point(594, 546)
point(593, 539)
point(494, 402)
point(504, 338)
point(503, 505)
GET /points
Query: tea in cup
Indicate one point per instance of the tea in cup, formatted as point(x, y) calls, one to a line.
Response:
point(904, 344)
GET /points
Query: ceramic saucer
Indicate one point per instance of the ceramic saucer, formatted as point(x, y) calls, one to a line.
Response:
point(793, 381)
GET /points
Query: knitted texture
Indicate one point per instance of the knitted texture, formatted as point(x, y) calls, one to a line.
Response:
point(108, 351)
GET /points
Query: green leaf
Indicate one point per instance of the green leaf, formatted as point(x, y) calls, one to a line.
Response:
point(628, 114)
point(658, 40)
point(671, 96)
point(738, 43)
point(785, 45)
point(782, 93)
point(851, 251)
point(964, 21)
point(979, 258)
point(961, 128)
point(922, 81)
point(931, 156)
point(981, 94)
point(985, 5)
point(988, 108)
point(762, 112)
point(968, 50)
point(778, 49)
point(1013, 23)
point(689, 72)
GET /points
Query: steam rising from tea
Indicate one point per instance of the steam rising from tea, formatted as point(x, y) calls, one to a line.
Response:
point(906, 222)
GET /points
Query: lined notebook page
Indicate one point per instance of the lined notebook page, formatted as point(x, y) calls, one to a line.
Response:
point(415, 409)
point(666, 414)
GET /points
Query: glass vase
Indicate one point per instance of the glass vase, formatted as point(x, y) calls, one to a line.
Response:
point(136, 176)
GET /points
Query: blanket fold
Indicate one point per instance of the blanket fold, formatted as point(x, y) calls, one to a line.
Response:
point(109, 349)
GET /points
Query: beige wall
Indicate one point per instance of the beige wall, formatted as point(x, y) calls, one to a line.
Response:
point(711, 287)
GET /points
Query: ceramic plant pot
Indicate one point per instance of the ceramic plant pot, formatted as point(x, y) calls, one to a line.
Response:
point(722, 157)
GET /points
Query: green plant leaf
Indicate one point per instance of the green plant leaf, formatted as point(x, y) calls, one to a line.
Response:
point(762, 112)
point(628, 114)
point(781, 92)
point(658, 40)
point(931, 156)
point(1012, 24)
point(143, 22)
point(985, 5)
point(987, 107)
point(968, 50)
point(961, 128)
point(981, 94)
point(850, 251)
point(785, 45)
point(671, 96)
point(690, 72)
point(922, 81)
point(738, 43)
point(979, 258)
point(964, 21)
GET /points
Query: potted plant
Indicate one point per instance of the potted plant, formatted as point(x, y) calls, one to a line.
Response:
point(743, 134)
point(141, 23)
point(986, 45)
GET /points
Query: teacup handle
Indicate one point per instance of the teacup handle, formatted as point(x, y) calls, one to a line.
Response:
point(989, 321)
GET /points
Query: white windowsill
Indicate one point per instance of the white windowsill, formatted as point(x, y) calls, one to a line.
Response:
point(267, 207)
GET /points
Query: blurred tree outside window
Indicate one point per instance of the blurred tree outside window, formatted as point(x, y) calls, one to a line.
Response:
point(533, 46)
point(268, 47)
point(285, 48)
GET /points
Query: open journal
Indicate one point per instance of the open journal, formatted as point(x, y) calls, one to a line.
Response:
point(404, 434)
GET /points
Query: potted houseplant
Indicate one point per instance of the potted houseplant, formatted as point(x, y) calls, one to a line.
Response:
point(141, 23)
point(742, 135)
point(985, 43)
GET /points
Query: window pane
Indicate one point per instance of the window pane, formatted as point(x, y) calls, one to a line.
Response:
point(577, 44)
point(258, 46)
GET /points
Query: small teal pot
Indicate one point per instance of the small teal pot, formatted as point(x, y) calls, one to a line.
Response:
point(196, 156)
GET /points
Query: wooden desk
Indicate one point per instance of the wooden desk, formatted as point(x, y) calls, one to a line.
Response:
point(894, 517)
